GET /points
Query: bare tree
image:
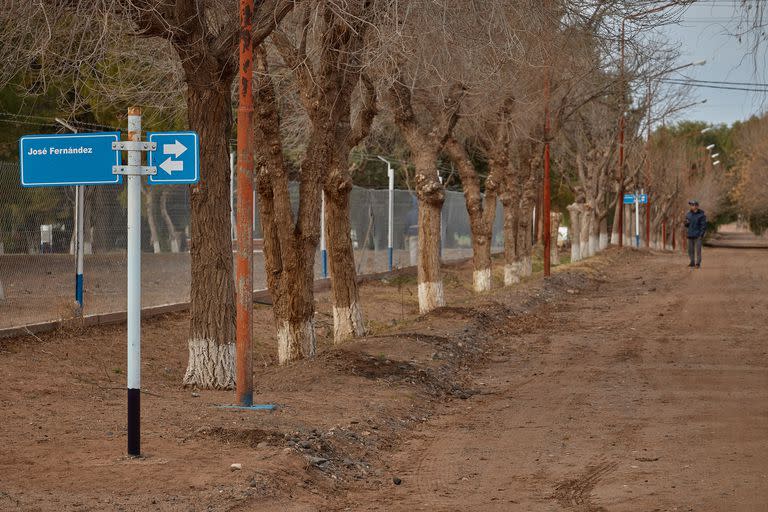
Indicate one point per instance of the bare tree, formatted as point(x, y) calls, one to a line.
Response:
point(482, 207)
point(326, 66)
point(191, 45)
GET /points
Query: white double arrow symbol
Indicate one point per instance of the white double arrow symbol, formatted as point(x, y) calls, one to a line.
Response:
point(176, 149)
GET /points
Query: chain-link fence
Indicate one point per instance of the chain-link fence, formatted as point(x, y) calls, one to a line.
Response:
point(37, 261)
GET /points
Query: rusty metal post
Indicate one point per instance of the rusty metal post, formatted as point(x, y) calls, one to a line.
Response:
point(244, 259)
point(621, 140)
point(547, 198)
point(648, 170)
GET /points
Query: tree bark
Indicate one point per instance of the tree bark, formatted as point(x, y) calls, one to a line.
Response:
point(289, 246)
point(603, 245)
point(326, 91)
point(347, 313)
point(481, 210)
point(212, 312)
point(431, 196)
point(511, 204)
point(586, 227)
point(425, 144)
point(173, 234)
point(617, 212)
point(554, 232)
point(574, 232)
point(149, 198)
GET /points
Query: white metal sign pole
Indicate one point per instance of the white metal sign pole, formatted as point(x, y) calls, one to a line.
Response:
point(391, 215)
point(637, 219)
point(134, 286)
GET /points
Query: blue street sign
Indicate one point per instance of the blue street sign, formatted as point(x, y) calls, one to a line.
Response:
point(53, 160)
point(630, 198)
point(177, 158)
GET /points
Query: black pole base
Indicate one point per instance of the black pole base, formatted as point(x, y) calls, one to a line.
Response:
point(134, 422)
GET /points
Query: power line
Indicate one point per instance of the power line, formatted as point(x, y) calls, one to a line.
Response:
point(747, 84)
point(709, 86)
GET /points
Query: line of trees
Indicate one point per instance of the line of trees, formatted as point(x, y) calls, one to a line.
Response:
point(442, 82)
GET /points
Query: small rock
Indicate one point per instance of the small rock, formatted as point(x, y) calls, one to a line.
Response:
point(306, 445)
point(195, 395)
point(236, 467)
point(396, 481)
point(262, 445)
point(254, 483)
point(571, 291)
point(317, 461)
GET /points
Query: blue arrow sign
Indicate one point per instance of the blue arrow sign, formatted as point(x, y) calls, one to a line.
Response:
point(53, 160)
point(630, 198)
point(177, 158)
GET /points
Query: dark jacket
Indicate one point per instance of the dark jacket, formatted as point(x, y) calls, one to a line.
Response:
point(696, 222)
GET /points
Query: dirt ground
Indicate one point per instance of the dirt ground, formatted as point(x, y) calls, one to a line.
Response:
point(627, 382)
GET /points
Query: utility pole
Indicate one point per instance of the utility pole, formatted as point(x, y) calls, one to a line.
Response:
point(621, 137)
point(547, 199)
point(648, 170)
point(244, 260)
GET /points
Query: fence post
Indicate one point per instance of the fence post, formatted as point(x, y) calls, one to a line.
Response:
point(79, 243)
point(323, 250)
point(79, 231)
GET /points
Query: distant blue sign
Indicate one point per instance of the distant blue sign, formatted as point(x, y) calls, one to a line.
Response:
point(69, 159)
point(630, 198)
point(177, 158)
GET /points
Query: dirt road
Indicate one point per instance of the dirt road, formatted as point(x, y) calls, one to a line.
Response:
point(629, 384)
point(649, 394)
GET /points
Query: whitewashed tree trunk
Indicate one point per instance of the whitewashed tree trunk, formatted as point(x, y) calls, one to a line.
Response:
point(511, 273)
point(526, 266)
point(574, 232)
point(594, 234)
point(603, 245)
point(554, 231)
point(212, 363)
point(585, 224)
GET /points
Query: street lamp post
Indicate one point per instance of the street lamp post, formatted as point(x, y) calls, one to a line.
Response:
point(623, 106)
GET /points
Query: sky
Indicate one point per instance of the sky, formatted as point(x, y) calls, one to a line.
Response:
point(703, 34)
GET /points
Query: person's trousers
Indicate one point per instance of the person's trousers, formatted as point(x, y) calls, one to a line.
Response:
point(694, 250)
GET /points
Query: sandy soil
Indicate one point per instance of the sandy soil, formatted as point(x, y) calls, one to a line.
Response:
point(626, 382)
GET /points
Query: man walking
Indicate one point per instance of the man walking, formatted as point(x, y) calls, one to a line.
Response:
point(696, 222)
